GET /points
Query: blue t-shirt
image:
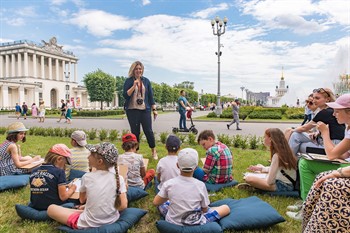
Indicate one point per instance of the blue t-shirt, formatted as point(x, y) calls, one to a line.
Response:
point(44, 182)
point(183, 99)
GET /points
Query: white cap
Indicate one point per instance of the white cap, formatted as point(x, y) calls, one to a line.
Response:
point(187, 159)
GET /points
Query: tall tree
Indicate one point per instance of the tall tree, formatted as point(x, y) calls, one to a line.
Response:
point(185, 85)
point(100, 86)
point(119, 87)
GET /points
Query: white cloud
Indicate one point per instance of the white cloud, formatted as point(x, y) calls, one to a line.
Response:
point(26, 11)
point(204, 14)
point(15, 22)
point(146, 2)
point(301, 17)
point(58, 2)
point(100, 23)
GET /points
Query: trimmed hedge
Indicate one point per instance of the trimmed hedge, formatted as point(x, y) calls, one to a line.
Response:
point(100, 113)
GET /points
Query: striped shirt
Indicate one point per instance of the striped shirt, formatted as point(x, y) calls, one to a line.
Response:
point(79, 160)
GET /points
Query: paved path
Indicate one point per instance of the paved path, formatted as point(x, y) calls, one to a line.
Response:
point(163, 123)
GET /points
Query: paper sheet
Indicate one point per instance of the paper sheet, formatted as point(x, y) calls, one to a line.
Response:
point(258, 175)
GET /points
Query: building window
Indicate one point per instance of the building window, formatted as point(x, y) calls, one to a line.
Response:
point(40, 95)
point(67, 87)
point(67, 96)
point(10, 91)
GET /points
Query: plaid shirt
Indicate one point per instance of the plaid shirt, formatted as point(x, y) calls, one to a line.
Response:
point(219, 164)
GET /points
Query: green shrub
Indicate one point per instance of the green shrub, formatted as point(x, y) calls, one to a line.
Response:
point(211, 115)
point(265, 115)
point(192, 139)
point(59, 132)
point(50, 131)
point(92, 134)
point(3, 130)
point(113, 135)
point(100, 113)
point(236, 140)
point(224, 138)
point(125, 131)
point(182, 137)
point(103, 134)
point(253, 142)
point(244, 142)
point(163, 136)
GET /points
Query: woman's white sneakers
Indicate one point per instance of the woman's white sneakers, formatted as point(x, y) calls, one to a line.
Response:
point(295, 212)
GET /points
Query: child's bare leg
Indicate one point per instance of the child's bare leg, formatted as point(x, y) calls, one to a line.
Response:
point(60, 214)
point(222, 210)
point(260, 183)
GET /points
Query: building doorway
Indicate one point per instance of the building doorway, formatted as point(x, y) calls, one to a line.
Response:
point(53, 98)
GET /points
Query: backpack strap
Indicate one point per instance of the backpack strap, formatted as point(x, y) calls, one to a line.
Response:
point(288, 177)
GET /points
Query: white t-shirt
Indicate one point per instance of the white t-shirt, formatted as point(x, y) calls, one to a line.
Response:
point(100, 187)
point(274, 172)
point(134, 162)
point(167, 167)
point(187, 196)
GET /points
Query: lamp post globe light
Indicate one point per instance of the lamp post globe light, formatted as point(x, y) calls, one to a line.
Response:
point(219, 27)
point(242, 89)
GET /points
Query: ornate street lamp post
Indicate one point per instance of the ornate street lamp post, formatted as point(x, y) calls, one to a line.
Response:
point(242, 89)
point(218, 31)
point(67, 75)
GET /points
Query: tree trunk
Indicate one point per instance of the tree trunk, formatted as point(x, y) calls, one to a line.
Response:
point(101, 105)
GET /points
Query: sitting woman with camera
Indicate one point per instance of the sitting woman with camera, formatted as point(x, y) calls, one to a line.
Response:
point(139, 103)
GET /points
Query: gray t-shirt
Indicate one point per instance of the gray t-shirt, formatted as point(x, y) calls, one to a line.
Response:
point(187, 197)
point(134, 162)
point(167, 167)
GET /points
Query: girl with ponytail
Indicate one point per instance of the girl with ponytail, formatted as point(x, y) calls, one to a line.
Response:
point(103, 192)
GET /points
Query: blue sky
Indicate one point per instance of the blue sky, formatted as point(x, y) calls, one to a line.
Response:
point(175, 41)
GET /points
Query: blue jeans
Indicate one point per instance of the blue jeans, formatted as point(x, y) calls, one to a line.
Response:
point(199, 174)
point(182, 122)
point(137, 118)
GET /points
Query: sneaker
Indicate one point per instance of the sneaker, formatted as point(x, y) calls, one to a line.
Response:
point(228, 126)
point(245, 186)
point(155, 156)
point(298, 216)
point(296, 207)
point(239, 129)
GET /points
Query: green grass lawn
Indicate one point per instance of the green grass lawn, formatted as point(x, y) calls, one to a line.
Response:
point(10, 222)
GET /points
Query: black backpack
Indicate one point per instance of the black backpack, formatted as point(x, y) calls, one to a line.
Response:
point(296, 182)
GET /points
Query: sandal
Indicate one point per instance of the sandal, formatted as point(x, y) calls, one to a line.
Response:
point(155, 156)
point(245, 186)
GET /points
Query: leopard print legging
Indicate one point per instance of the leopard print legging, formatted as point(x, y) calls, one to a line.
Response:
point(327, 208)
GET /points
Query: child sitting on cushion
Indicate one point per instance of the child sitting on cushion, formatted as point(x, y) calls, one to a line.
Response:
point(137, 174)
point(48, 182)
point(167, 166)
point(103, 192)
point(217, 168)
point(79, 153)
point(184, 200)
point(282, 170)
point(11, 159)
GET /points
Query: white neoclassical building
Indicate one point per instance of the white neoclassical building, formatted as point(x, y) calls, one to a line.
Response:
point(30, 72)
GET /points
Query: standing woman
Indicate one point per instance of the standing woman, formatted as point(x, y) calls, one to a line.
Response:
point(41, 111)
point(139, 103)
point(69, 112)
point(34, 111)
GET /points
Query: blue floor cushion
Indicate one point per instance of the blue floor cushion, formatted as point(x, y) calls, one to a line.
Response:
point(127, 219)
point(13, 182)
point(282, 193)
point(167, 227)
point(27, 212)
point(248, 213)
point(134, 194)
point(217, 187)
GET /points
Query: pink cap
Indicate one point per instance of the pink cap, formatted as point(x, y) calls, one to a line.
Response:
point(63, 150)
point(341, 103)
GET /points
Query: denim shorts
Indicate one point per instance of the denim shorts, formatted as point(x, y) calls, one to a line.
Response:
point(211, 215)
point(281, 186)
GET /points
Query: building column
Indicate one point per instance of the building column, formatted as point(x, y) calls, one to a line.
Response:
point(13, 65)
point(63, 76)
point(69, 69)
point(42, 65)
point(21, 94)
point(25, 64)
point(57, 70)
point(5, 96)
point(36, 95)
point(34, 66)
point(19, 65)
point(75, 72)
point(7, 63)
point(50, 68)
point(1, 66)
